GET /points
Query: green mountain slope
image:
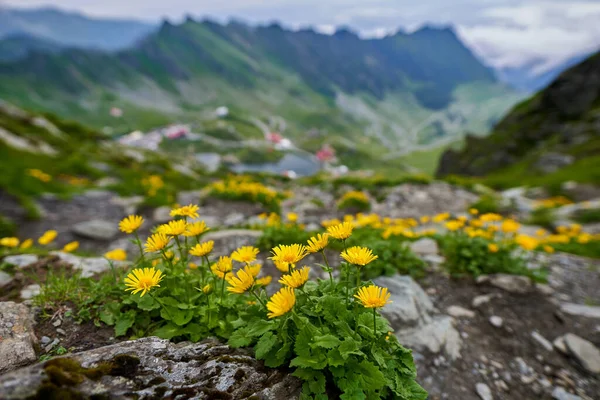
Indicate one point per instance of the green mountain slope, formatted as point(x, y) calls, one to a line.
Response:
point(399, 92)
point(553, 136)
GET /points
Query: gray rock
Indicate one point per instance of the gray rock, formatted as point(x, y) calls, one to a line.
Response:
point(483, 391)
point(96, 229)
point(30, 291)
point(544, 289)
point(415, 319)
point(17, 340)
point(21, 260)
point(580, 310)
point(482, 299)
point(425, 246)
point(189, 197)
point(5, 279)
point(560, 345)
point(45, 340)
point(541, 340)
point(234, 219)
point(459, 312)
point(162, 214)
point(89, 266)
point(227, 241)
point(496, 321)
point(156, 368)
point(584, 352)
point(551, 162)
point(129, 204)
point(511, 283)
point(561, 394)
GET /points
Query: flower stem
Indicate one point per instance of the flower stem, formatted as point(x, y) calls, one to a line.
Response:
point(179, 248)
point(139, 243)
point(258, 298)
point(162, 305)
point(347, 283)
point(222, 290)
point(374, 322)
point(328, 267)
point(357, 277)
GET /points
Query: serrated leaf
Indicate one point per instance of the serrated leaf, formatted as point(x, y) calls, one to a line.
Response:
point(168, 331)
point(334, 358)
point(147, 303)
point(265, 344)
point(349, 347)
point(260, 327)
point(181, 317)
point(325, 341)
point(108, 317)
point(240, 338)
point(317, 361)
point(124, 322)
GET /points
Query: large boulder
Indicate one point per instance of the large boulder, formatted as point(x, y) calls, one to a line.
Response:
point(415, 321)
point(152, 368)
point(17, 340)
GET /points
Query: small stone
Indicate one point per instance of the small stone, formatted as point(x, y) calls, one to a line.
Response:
point(5, 279)
point(45, 340)
point(96, 229)
point(524, 369)
point(511, 283)
point(584, 352)
point(496, 321)
point(424, 246)
point(162, 215)
point(581, 310)
point(541, 340)
point(30, 291)
point(234, 219)
point(483, 391)
point(61, 331)
point(482, 299)
point(560, 393)
point(501, 385)
point(20, 260)
point(481, 279)
point(50, 346)
point(57, 322)
point(544, 289)
point(496, 364)
point(459, 312)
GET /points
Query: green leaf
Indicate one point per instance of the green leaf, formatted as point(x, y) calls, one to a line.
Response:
point(260, 327)
point(168, 331)
point(181, 317)
point(147, 303)
point(325, 341)
point(240, 338)
point(124, 322)
point(108, 317)
point(334, 358)
point(348, 347)
point(317, 361)
point(265, 344)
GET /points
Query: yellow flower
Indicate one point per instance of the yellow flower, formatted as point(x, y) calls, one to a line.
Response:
point(26, 244)
point(373, 296)
point(193, 265)
point(131, 223)
point(493, 247)
point(510, 226)
point(202, 249)
point(317, 243)
point(296, 279)
point(222, 268)
point(290, 254)
point(527, 242)
point(47, 237)
point(282, 266)
point(116, 255)
point(548, 249)
point(174, 228)
point(584, 238)
point(190, 211)
point(358, 255)
point(490, 217)
point(69, 247)
point(169, 255)
point(240, 282)
point(342, 231)
point(142, 280)
point(292, 217)
point(156, 242)
point(264, 281)
point(195, 228)
point(245, 254)
point(473, 211)
point(441, 217)
point(454, 225)
point(207, 289)
point(424, 219)
point(9, 242)
point(541, 232)
point(254, 269)
point(281, 302)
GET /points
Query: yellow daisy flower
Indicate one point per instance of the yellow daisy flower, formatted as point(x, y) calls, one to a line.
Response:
point(549, 249)
point(240, 282)
point(317, 243)
point(454, 225)
point(358, 255)
point(195, 228)
point(292, 217)
point(342, 231)
point(493, 248)
point(245, 254)
point(116, 255)
point(47, 237)
point(282, 266)
point(202, 249)
point(289, 254)
point(281, 302)
point(373, 296)
point(296, 279)
point(156, 242)
point(142, 280)
point(9, 242)
point(131, 223)
point(264, 281)
point(222, 268)
point(253, 269)
point(190, 211)
point(26, 244)
point(174, 228)
point(207, 289)
point(510, 226)
point(72, 246)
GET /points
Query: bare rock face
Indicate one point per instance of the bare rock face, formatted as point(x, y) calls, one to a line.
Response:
point(152, 368)
point(17, 339)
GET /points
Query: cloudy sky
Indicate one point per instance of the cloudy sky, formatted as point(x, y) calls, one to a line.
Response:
point(505, 33)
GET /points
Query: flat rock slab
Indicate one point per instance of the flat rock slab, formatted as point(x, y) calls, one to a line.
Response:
point(5, 279)
point(584, 352)
point(511, 283)
point(155, 368)
point(17, 340)
point(96, 229)
point(21, 260)
point(425, 246)
point(580, 310)
point(89, 266)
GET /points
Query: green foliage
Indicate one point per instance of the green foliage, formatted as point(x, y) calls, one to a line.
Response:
point(587, 216)
point(590, 249)
point(7, 228)
point(472, 256)
point(487, 203)
point(355, 201)
point(282, 234)
point(542, 216)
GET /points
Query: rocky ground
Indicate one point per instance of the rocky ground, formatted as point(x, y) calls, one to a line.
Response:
point(497, 337)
